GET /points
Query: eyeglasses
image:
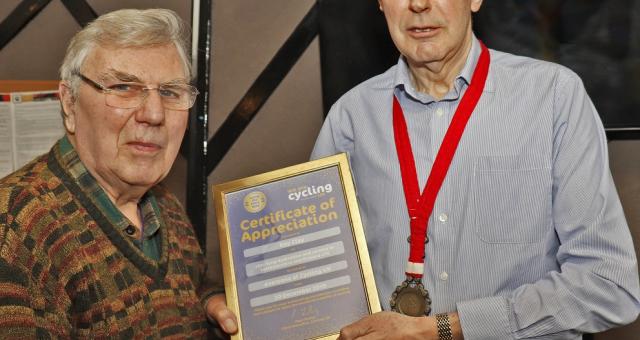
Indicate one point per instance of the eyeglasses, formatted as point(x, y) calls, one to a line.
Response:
point(133, 95)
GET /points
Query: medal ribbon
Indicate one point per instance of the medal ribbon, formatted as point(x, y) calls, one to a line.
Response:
point(421, 207)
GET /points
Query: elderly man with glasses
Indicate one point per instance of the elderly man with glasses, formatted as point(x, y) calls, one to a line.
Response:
point(91, 246)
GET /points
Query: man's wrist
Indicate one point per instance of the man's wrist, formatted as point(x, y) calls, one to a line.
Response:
point(447, 326)
point(444, 327)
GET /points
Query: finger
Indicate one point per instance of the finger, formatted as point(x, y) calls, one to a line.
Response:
point(353, 331)
point(217, 309)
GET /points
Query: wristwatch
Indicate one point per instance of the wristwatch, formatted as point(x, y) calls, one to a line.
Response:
point(444, 327)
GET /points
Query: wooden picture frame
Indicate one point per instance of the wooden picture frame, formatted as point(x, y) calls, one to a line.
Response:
point(294, 255)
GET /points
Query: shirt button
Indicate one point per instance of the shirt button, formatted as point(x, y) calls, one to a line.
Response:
point(444, 276)
point(443, 217)
point(130, 230)
point(439, 112)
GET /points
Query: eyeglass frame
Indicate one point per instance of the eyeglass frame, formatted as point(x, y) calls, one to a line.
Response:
point(145, 89)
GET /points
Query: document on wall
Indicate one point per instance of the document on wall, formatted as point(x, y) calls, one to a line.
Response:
point(6, 136)
point(30, 123)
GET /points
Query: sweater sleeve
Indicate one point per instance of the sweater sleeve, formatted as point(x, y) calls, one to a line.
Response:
point(204, 285)
point(28, 307)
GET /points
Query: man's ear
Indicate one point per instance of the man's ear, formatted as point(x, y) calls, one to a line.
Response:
point(68, 107)
point(475, 5)
point(380, 6)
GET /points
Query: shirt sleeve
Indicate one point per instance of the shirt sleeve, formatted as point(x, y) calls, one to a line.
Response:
point(596, 287)
point(336, 134)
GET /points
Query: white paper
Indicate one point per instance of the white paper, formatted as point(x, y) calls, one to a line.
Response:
point(30, 123)
point(6, 139)
point(38, 125)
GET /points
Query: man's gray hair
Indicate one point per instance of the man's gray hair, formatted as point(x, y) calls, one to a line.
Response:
point(123, 29)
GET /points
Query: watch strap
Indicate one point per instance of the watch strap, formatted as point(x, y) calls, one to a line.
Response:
point(444, 326)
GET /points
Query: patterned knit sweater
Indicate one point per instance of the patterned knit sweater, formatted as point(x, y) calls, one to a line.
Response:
point(66, 272)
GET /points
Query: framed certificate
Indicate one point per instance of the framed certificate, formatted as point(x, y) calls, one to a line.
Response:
point(294, 255)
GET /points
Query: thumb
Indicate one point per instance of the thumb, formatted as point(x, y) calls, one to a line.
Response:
point(216, 309)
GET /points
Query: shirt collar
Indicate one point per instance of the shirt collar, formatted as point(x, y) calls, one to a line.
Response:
point(402, 80)
point(150, 213)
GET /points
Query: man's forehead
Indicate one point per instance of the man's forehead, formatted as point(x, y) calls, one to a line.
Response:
point(136, 64)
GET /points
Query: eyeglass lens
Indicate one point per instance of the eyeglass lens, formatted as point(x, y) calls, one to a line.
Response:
point(127, 96)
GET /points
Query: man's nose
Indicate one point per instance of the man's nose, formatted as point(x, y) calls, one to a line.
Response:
point(152, 110)
point(419, 6)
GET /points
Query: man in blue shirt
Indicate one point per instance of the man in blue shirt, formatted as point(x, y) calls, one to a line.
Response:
point(525, 237)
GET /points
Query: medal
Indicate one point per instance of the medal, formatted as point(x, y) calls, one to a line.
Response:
point(410, 297)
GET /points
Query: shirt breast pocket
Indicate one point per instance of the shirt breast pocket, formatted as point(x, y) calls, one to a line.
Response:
point(511, 198)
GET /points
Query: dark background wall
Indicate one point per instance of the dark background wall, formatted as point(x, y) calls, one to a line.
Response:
point(599, 40)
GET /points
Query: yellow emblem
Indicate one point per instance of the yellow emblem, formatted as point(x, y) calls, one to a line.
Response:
point(255, 201)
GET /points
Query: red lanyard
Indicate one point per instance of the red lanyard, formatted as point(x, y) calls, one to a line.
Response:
point(420, 207)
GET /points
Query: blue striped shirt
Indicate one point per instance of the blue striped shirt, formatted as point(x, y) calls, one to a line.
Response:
point(527, 236)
